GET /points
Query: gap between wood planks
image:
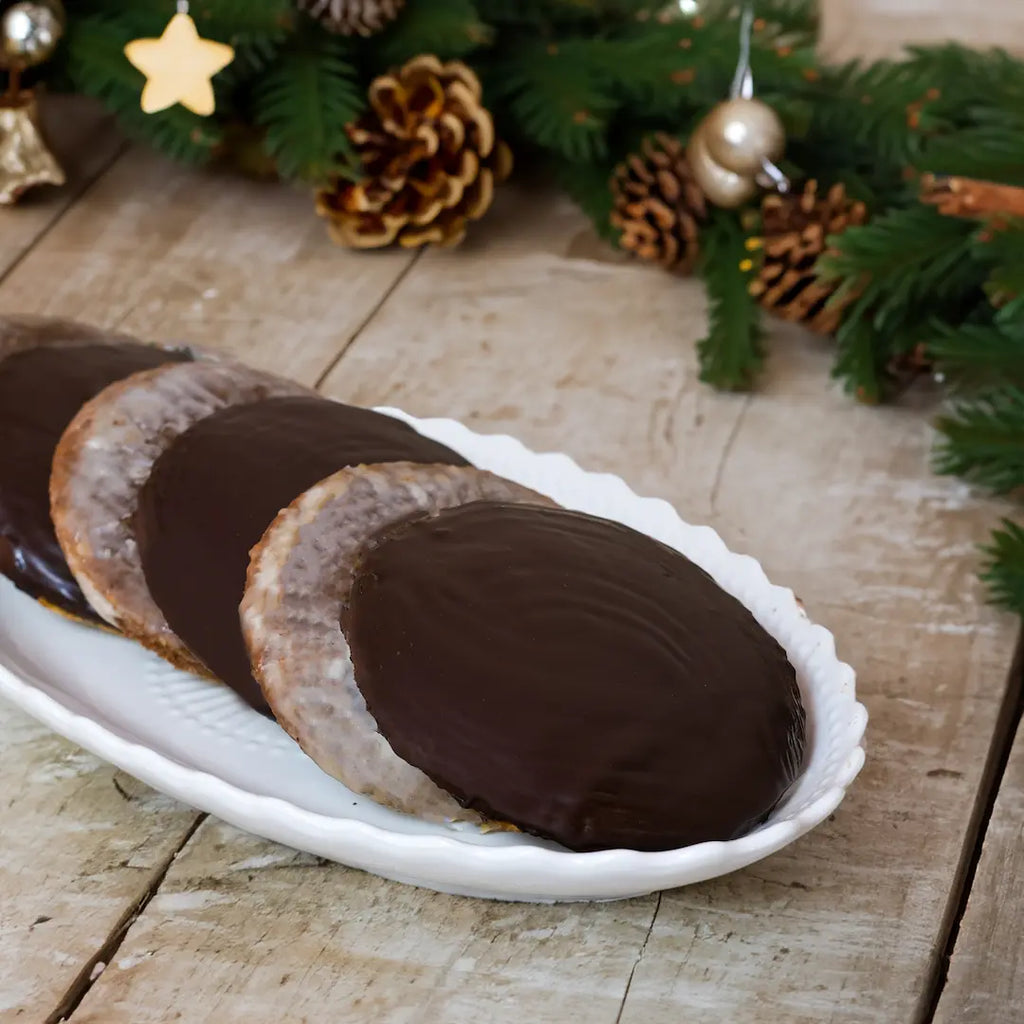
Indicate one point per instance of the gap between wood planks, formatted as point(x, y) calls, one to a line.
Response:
point(95, 965)
point(73, 195)
point(368, 319)
point(1007, 722)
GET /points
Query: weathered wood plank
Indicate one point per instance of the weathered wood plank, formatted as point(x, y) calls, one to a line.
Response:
point(165, 253)
point(85, 141)
point(367, 950)
point(986, 973)
point(169, 253)
point(80, 841)
point(872, 29)
point(534, 330)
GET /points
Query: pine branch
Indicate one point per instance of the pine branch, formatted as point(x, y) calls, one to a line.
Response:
point(557, 98)
point(904, 264)
point(732, 353)
point(984, 440)
point(979, 355)
point(796, 20)
point(305, 102)
point(1003, 249)
point(1004, 567)
point(861, 356)
point(94, 48)
point(589, 187)
point(445, 28)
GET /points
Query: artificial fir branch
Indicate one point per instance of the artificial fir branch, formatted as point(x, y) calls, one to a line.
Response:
point(979, 355)
point(1004, 567)
point(732, 353)
point(305, 102)
point(984, 440)
point(445, 28)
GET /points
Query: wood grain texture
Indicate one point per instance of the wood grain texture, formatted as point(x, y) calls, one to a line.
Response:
point(85, 141)
point(165, 253)
point(872, 29)
point(169, 253)
point(220, 943)
point(535, 329)
point(80, 842)
point(986, 973)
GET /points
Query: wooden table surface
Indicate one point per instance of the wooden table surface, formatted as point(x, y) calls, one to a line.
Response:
point(120, 906)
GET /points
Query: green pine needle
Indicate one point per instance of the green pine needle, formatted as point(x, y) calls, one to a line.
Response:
point(984, 440)
point(558, 98)
point(978, 355)
point(305, 103)
point(1004, 567)
point(445, 28)
point(732, 353)
point(589, 187)
point(860, 357)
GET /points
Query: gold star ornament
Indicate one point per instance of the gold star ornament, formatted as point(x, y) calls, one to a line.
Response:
point(178, 66)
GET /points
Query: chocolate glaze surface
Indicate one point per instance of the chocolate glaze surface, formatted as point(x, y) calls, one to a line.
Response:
point(573, 677)
point(41, 389)
point(213, 493)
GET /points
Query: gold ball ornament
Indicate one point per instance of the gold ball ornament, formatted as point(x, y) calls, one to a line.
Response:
point(743, 135)
point(29, 32)
point(722, 187)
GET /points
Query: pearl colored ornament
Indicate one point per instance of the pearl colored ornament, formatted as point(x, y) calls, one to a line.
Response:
point(722, 187)
point(742, 135)
point(30, 31)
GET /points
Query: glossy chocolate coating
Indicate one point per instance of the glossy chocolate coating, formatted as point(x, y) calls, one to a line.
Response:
point(41, 390)
point(573, 677)
point(214, 492)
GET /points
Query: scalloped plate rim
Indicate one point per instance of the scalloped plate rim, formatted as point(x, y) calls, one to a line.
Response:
point(564, 875)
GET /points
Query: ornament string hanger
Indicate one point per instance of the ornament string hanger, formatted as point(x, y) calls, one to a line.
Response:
point(770, 175)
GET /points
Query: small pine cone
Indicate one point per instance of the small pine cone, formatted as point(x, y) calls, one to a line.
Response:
point(353, 17)
point(795, 228)
point(430, 161)
point(658, 204)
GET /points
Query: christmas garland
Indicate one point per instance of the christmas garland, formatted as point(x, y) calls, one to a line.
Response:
point(899, 236)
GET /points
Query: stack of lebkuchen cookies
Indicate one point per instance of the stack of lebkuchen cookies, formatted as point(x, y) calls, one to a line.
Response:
point(439, 638)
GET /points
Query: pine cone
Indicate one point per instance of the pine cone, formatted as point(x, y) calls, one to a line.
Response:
point(795, 228)
point(430, 161)
point(658, 204)
point(353, 17)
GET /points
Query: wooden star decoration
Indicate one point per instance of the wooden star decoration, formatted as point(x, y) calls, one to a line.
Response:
point(179, 66)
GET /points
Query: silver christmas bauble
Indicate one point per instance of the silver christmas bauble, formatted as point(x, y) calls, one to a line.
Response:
point(30, 31)
point(742, 135)
point(722, 187)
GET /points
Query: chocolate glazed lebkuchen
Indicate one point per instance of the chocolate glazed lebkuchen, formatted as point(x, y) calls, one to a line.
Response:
point(48, 371)
point(100, 465)
point(573, 677)
point(213, 493)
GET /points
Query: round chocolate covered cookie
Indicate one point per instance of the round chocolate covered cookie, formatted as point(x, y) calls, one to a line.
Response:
point(212, 493)
point(573, 677)
point(48, 370)
point(298, 585)
point(102, 461)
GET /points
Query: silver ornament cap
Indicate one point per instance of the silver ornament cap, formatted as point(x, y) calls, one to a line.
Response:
point(29, 32)
point(743, 135)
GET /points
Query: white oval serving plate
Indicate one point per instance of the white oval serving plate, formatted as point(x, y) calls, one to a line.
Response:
point(198, 742)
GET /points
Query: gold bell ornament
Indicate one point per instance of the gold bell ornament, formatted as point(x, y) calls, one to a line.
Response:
point(29, 33)
point(733, 150)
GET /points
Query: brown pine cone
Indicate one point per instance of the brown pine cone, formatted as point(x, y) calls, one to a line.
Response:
point(658, 204)
point(430, 161)
point(353, 17)
point(795, 228)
